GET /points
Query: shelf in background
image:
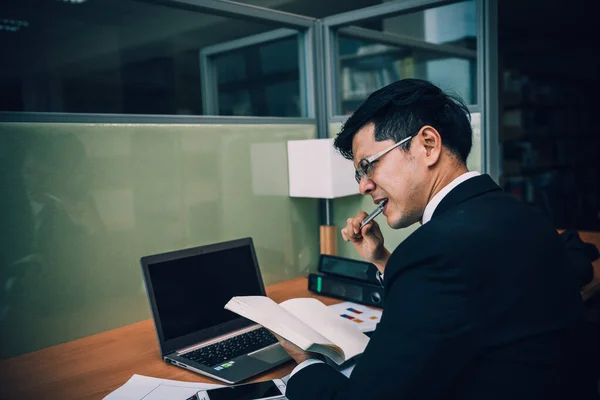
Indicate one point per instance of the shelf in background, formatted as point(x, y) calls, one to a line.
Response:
point(513, 133)
point(549, 147)
point(529, 105)
point(373, 60)
point(389, 53)
point(547, 137)
point(532, 171)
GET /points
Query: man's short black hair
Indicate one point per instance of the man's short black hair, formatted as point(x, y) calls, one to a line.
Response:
point(401, 109)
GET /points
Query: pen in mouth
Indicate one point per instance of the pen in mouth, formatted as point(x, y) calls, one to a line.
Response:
point(373, 214)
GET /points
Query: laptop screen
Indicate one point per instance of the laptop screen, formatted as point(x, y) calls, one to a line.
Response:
point(190, 292)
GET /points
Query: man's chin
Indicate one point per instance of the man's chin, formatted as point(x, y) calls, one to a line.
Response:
point(402, 222)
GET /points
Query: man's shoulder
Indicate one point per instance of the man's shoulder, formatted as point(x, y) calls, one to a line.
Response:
point(428, 247)
point(435, 235)
point(468, 232)
point(496, 212)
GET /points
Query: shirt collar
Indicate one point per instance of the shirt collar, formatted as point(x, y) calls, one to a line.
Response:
point(435, 200)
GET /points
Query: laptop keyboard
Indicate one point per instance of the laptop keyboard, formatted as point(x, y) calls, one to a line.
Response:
point(231, 348)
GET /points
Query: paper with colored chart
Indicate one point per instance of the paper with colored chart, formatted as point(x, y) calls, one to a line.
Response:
point(364, 317)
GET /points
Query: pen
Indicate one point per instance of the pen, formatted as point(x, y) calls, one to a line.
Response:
point(373, 214)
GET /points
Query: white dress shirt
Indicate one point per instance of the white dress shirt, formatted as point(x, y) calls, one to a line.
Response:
point(437, 199)
point(427, 214)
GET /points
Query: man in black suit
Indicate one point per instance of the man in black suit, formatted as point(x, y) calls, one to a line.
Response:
point(479, 301)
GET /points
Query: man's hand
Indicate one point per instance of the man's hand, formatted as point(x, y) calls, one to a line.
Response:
point(294, 351)
point(368, 241)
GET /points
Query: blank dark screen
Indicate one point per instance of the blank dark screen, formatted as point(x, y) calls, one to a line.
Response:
point(190, 292)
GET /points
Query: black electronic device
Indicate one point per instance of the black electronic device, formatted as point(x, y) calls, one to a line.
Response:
point(348, 268)
point(264, 390)
point(187, 297)
point(346, 289)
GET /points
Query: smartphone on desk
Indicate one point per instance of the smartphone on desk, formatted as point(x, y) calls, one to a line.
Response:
point(267, 390)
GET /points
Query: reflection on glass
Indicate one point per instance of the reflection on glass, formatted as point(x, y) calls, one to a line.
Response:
point(259, 80)
point(82, 203)
point(437, 44)
point(454, 24)
point(143, 65)
point(54, 225)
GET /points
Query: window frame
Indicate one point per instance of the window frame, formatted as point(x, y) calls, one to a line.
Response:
point(208, 74)
point(486, 56)
point(318, 68)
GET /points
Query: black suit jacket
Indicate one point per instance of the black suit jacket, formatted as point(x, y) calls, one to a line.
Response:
point(480, 304)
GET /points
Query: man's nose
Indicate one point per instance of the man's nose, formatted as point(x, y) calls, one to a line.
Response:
point(366, 186)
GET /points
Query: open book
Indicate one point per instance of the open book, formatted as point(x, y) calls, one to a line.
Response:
point(306, 322)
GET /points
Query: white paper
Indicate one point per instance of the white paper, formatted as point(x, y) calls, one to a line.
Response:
point(140, 387)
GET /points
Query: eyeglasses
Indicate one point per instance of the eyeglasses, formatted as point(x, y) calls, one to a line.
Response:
point(365, 167)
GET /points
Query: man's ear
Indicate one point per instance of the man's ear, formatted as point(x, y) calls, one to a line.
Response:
point(431, 142)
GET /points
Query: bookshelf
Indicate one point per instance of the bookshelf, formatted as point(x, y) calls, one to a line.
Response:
point(362, 74)
point(550, 148)
point(368, 60)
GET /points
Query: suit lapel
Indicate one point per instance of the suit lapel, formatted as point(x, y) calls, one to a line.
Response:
point(466, 190)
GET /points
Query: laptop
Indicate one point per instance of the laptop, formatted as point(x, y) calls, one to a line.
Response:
point(188, 289)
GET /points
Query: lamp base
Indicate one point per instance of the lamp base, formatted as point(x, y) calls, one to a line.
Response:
point(328, 239)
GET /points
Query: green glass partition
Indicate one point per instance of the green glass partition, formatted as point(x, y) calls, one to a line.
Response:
point(82, 203)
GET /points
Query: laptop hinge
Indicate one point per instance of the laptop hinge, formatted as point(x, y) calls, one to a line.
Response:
point(218, 339)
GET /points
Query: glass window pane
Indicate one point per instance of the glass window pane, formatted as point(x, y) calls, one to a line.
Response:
point(257, 80)
point(454, 24)
point(437, 44)
point(132, 57)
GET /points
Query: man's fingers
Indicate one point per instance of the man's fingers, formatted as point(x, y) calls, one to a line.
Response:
point(349, 233)
point(344, 235)
point(367, 228)
point(353, 232)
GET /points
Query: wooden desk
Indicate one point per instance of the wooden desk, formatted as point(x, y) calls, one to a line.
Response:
point(94, 366)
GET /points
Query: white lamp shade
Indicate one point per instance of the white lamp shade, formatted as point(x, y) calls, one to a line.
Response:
point(317, 170)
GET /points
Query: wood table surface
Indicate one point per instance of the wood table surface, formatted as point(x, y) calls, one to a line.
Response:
point(94, 366)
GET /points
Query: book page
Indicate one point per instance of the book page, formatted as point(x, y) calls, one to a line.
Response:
point(272, 316)
point(325, 321)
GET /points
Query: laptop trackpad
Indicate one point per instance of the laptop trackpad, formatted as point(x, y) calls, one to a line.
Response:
point(272, 355)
